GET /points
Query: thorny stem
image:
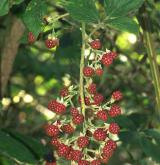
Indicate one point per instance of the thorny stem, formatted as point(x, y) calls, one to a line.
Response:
point(145, 22)
point(81, 74)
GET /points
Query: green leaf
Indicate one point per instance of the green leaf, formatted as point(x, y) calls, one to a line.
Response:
point(125, 122)
point(150, 149)
point(153, 133)
point(82, 10)
point(33, 16)
point(4, 7)
point(118, 8)
point(17, 2)
point(15, 149)
point(124, 24)
point(35, 146)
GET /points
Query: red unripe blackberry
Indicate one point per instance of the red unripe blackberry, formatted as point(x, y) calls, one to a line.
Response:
point(50, 163)
point(115, 111)
point(112, 144)
point(92, 88)
point(117, 95)
point(88, 71)
point(83, 141)
point(98, 99)
point(99, 72)
point(74, 111)
point(114, 128)
point(77, 155)
point(83, 162)
point(107, 59)
point(55, 142)
point(67, 128)
point(69, 155)
point(99, 134)
point(64, 92)
point(51, 130)
point(113, 54)
point(56, 107)
point(102, 115)
point(78, 119)
point(96, 44)
point(31, 38)
point(96, 162)
point(86, 100)
point(51, 43)
point(63, 150)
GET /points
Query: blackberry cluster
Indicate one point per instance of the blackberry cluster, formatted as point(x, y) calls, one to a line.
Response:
point(73, 130)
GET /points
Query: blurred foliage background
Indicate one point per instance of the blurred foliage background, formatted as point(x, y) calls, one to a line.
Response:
point(38, 74)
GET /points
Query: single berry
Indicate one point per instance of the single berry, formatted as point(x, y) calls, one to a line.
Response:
point(69, 155)
point(113, 54)
point(112, 144)
point(102, 115)
point(83, 162)
point(63, 150)
point(55, 142)
point(64, 92)
point(86, 100)
point(78, 119)
point(96, 44)
point(99, 134)
point(88, 71)
point(99, 72)
point(31, 38)
point(68, 128)
point(115, 111)
point(117, 95)
point(96, 162)
point(51, 43)
point(114, 128)
point(83, 141)
point(92, 88)
point(77, 155)
point(107, 59)
point(56, 107)
point(98, 99)
point(51, 130)
point(74, 111)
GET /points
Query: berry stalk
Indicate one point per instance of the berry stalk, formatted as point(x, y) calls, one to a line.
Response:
point(81, 81)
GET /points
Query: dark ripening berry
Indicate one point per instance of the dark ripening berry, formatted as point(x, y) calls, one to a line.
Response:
point(99, 72)
point(74, 111)
point(83, 141)
point(50, 163)
point(77, 155)
point(96, 44)
point(64, 92)
point(100, 134)
point(68, 128)
point(83, 162)
point(78, 119)
point(63, 150)
point(56, 107)
point(92, 88)
point(88, 71)
point(51, 43)
point(51, 130)
point(117, 95)
point(98, 99)
point(115, 111)
point(55, 142)
point(31, 38)
point(114, 128)
point(96, 162)
point(107, 59)
point(102, 115)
